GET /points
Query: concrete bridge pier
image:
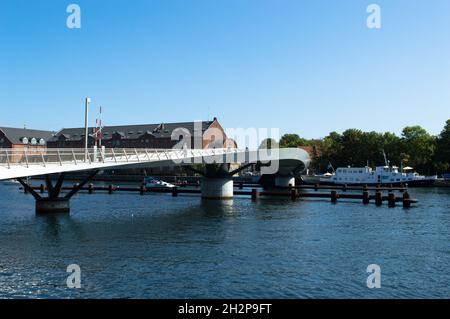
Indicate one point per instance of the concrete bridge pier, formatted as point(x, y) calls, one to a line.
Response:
point(217, 181)
point(54, 203)
point(217, 188)
point(49, 206)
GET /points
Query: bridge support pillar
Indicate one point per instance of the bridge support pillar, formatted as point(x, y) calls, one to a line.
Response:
point(217, 188)
point(284, 181)
point(55, 203)
point(52, 206)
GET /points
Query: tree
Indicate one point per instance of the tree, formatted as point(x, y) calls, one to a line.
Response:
point(442, 158)
point(292, 140)
point(392, 145)
point(420, 146)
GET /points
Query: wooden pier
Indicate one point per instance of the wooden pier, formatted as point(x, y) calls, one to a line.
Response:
point(365, 195)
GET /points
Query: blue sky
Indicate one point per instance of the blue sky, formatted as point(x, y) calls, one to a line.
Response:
point(307, 67)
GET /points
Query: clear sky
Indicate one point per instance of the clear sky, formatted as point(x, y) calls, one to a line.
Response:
point(306, 67)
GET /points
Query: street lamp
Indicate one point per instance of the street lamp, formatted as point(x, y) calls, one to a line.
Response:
point(86, 129)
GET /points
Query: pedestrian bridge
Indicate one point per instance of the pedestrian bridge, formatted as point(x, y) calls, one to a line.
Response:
point(27, 163)
point(217, 182)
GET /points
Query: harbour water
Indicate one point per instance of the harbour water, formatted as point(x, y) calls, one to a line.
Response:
point(156, 246)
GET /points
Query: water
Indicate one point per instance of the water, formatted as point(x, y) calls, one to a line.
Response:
point(157, 246)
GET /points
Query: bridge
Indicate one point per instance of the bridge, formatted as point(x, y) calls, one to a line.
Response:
point(217, 181)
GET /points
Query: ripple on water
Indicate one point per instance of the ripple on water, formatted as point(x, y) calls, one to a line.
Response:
point(157, 246)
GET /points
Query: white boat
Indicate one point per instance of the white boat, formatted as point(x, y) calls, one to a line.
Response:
point(315, 179)
point(9, 182)
point(151, 182)
point(382, 175)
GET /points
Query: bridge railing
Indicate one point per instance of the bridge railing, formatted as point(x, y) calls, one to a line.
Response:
point(29, 157)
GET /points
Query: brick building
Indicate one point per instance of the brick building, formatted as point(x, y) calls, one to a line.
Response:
point(163, 135)
point(20, 140)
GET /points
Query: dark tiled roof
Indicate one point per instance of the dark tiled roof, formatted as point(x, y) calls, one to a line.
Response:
point(163, 130)
point(15, 135)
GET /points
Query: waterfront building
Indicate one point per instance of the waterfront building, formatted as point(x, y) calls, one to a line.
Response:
point(21, 139)
point(204, 134)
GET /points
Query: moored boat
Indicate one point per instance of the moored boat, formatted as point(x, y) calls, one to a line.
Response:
point(151, 182)
point(382, 175)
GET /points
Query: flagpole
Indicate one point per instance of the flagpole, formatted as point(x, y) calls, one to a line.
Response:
point(86, 130)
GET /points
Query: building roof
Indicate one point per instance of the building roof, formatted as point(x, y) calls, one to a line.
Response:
point(16, 135)
point(161, 130)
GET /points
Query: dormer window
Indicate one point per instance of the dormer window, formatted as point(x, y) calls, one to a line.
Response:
point(24, 140)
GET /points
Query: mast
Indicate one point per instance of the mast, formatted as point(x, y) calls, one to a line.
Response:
point(385, 159)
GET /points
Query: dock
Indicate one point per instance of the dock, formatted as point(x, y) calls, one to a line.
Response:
point(366, 195)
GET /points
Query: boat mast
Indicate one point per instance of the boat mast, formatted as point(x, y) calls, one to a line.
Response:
point(385, 159)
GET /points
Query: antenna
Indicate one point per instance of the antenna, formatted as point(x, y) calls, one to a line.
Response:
point(86, 131)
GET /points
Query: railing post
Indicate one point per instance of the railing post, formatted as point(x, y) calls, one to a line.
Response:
point(137, 155)
point(167, 155)
point(125, 153)
point(102, 156)
point(7, 159)
point(74, 157)
point(26, 157)
point(148, 155)
point(59, 157)
point(43, 159)
point(114, 155)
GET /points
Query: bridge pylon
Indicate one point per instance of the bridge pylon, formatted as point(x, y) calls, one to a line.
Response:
point(55, 203)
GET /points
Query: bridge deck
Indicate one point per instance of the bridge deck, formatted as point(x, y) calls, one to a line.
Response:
point(23, 163)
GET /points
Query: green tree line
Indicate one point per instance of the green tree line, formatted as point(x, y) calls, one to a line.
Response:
point(426, 153)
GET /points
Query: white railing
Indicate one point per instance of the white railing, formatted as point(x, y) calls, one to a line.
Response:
point(31, 157)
